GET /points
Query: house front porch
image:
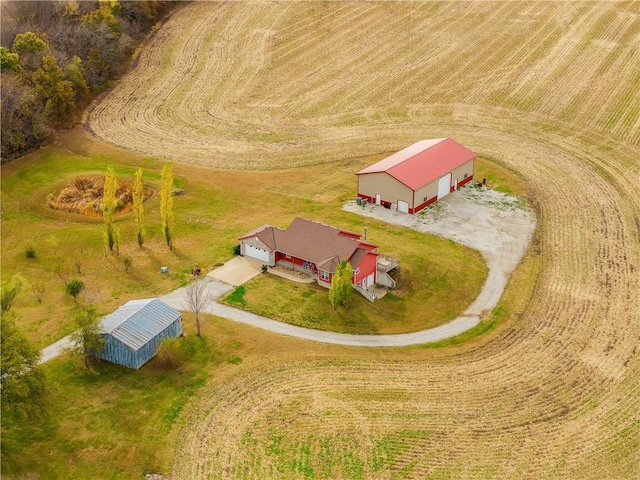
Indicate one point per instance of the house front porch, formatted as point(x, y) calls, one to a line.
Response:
point(291, 271)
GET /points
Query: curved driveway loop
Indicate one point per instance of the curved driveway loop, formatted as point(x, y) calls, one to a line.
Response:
point(488, 221)
point(491, 222)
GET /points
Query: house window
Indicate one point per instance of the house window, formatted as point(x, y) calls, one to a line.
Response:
point(465, 175)
point(425, 199)
point(324, 275)
point(287, 257)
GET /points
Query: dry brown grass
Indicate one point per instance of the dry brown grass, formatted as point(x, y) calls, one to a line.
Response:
point(550, 89)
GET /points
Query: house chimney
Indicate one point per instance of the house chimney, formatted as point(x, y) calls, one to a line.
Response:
point(365, 233)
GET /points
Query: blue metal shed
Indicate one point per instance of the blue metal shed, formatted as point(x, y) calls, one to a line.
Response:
point(132, 333)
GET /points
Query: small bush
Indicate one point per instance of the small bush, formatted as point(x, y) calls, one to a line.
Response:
point(73, 287)
point(265, 268)
point(29, 251)
point(234, 360)
point(126, 260)
point(236, 250)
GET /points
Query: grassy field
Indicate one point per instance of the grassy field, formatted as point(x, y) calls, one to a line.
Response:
point(239, 93)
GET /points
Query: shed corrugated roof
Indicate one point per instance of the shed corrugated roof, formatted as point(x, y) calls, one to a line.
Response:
point(423, 162)
point(138, 321)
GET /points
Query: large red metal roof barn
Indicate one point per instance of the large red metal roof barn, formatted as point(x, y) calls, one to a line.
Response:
point(418, 175)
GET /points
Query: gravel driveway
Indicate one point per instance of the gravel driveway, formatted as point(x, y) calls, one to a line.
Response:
point(495, 224)
point(499, 226)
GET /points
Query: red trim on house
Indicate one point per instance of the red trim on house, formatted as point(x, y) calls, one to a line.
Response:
point(368, 246)
point(462, 182)
point(368, 265)
point(322, 281)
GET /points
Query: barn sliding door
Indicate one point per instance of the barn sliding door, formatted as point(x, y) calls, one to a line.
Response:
point(444, 185)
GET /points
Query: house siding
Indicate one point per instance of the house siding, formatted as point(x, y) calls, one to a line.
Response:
point(459, 173)
point(424, 205)
point(428, 192)
point(368, 265)
point(324, 283)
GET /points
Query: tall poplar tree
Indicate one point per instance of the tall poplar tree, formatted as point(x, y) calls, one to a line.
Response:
point(108, 209)
point(138, 207)
point(166, 203)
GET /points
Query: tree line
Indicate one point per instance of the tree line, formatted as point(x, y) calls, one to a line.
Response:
point(56, 56)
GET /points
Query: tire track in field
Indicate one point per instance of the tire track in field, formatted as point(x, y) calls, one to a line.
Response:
point(272, 83)
point(556, 395)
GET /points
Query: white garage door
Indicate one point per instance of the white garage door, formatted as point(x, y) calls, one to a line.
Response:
point(403, 206)
point(444, 185)
point(254, 252)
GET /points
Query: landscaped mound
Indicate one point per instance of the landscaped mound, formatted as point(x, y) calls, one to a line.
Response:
point(83, 195)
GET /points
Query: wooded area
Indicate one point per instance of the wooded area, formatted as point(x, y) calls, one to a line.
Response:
point(56, 56)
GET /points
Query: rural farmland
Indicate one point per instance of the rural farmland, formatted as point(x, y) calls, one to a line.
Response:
point(547, 90)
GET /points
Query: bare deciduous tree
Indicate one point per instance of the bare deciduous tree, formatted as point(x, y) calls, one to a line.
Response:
point(197, 299)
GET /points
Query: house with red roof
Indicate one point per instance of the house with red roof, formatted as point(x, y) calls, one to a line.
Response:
point(418, 175)
point(315, 249)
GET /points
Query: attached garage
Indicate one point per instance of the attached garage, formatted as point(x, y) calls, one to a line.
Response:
point(255, 252)
point(256, 246)
point(417, 176)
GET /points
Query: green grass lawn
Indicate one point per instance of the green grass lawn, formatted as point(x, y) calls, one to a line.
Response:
point(437, 280)
point(438, 277)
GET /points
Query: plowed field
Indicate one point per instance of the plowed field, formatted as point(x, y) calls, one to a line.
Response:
point(552, 91)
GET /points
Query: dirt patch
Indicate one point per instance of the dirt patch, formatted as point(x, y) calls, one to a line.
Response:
point(500, 226)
